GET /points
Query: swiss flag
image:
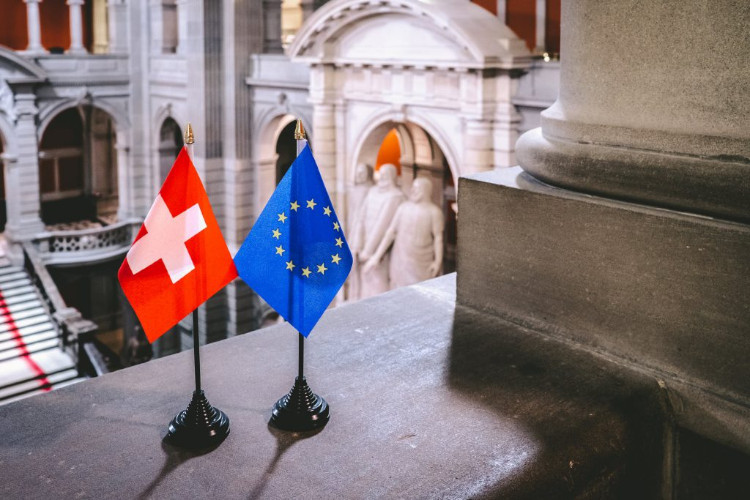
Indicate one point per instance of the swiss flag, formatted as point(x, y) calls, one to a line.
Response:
point(179, 258)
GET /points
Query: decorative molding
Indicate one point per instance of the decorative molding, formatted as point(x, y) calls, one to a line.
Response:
point(486, 40)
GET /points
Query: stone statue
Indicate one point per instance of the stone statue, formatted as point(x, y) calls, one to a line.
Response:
point(416, 233)
point(356, 195)
point(375, 214)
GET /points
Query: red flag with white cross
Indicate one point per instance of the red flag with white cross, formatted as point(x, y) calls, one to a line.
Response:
point(179, 258)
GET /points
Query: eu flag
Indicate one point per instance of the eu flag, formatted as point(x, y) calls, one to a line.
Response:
point(296, 256)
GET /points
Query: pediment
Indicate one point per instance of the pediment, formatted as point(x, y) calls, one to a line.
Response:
point(396, 38)
point(435, 32)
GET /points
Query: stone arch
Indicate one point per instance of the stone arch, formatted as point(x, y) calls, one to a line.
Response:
point(390, 119)
point(269, 127)
point(50, 111)
point(78, 174)
point(170, 141)
point(158, 161)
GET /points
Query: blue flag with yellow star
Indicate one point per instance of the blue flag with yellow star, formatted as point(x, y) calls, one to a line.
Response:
point(296, 256)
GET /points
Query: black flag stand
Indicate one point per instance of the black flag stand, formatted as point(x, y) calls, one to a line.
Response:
point(200, 425)
point(301, 409)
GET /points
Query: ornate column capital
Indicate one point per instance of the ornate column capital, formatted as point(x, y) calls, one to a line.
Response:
point(25, 105)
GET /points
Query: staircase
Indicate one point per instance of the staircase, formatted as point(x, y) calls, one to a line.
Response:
point(31, 359)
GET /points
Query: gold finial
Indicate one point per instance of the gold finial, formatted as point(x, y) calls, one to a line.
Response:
point(189, 137)
point(299, 131)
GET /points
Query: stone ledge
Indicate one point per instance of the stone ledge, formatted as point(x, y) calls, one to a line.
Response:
point(427, 400)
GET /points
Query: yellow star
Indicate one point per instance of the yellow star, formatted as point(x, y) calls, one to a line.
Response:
point(295, 206)
point(280, 250)
point(336, 258)
point(327, 211)
point(276, 233)
point(339, 242)
point(336, 226)
point(322, 269)
point(306, 272)
point(311, 204)
point(290, 265)
point(282, 217)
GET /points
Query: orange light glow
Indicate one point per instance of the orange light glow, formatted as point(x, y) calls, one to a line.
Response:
point(390, 151)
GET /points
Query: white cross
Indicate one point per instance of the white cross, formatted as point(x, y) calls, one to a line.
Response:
point(166, 239)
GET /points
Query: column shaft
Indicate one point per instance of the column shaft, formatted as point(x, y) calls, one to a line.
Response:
point(117, 17)
point(76, 27)
point(33, 26)
point(24, 202)
point(272, 27)
point(541, 24)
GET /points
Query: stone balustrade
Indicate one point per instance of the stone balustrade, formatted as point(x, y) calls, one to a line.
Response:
point(86, 245)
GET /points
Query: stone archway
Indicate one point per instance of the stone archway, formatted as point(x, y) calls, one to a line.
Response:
point(274, 153)
point(170, 144)
point(78, 178)
point(455, 81)
point(421, 156)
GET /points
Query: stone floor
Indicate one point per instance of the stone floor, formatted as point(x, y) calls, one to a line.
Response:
point(427, 401)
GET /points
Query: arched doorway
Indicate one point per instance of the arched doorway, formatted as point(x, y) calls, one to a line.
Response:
point(286, 150)
point(420, 156)
point(78, 168)
point(170, 144)
point(275, 151)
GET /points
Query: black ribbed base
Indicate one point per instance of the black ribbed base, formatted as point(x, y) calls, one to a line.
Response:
point(300, 410)
point(200, 425)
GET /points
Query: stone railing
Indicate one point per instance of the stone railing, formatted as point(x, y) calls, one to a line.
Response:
point(86, 245)
point(73, 329)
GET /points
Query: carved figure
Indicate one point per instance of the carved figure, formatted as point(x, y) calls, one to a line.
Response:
point(416, 233)
point(375, 214)
point(357, 194)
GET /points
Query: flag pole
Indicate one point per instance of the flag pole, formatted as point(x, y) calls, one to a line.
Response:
point(301, 140)
point(189, 145)
point(301, 409)
point(200, 425)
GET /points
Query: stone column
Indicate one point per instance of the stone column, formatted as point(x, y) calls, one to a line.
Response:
point(125, 178)
point(501, 8)
point(653, 271)
point(23, 201)
point(182, 26)
point(272, 27)
point(478, 151)
point(664, 125)
point(76, 27)
point(156, 29)
point(101, 38)
point(324, 142)
point(118, 27)
point(34, 27)
point(541, 25)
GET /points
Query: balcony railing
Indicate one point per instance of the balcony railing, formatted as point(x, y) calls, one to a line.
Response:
point(86, 245)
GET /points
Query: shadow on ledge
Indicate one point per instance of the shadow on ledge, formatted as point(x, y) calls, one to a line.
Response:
point(175, 456)
point(595, 430)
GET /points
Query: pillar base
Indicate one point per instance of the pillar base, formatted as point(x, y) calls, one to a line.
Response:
point(661, 290)
point(714, 186)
